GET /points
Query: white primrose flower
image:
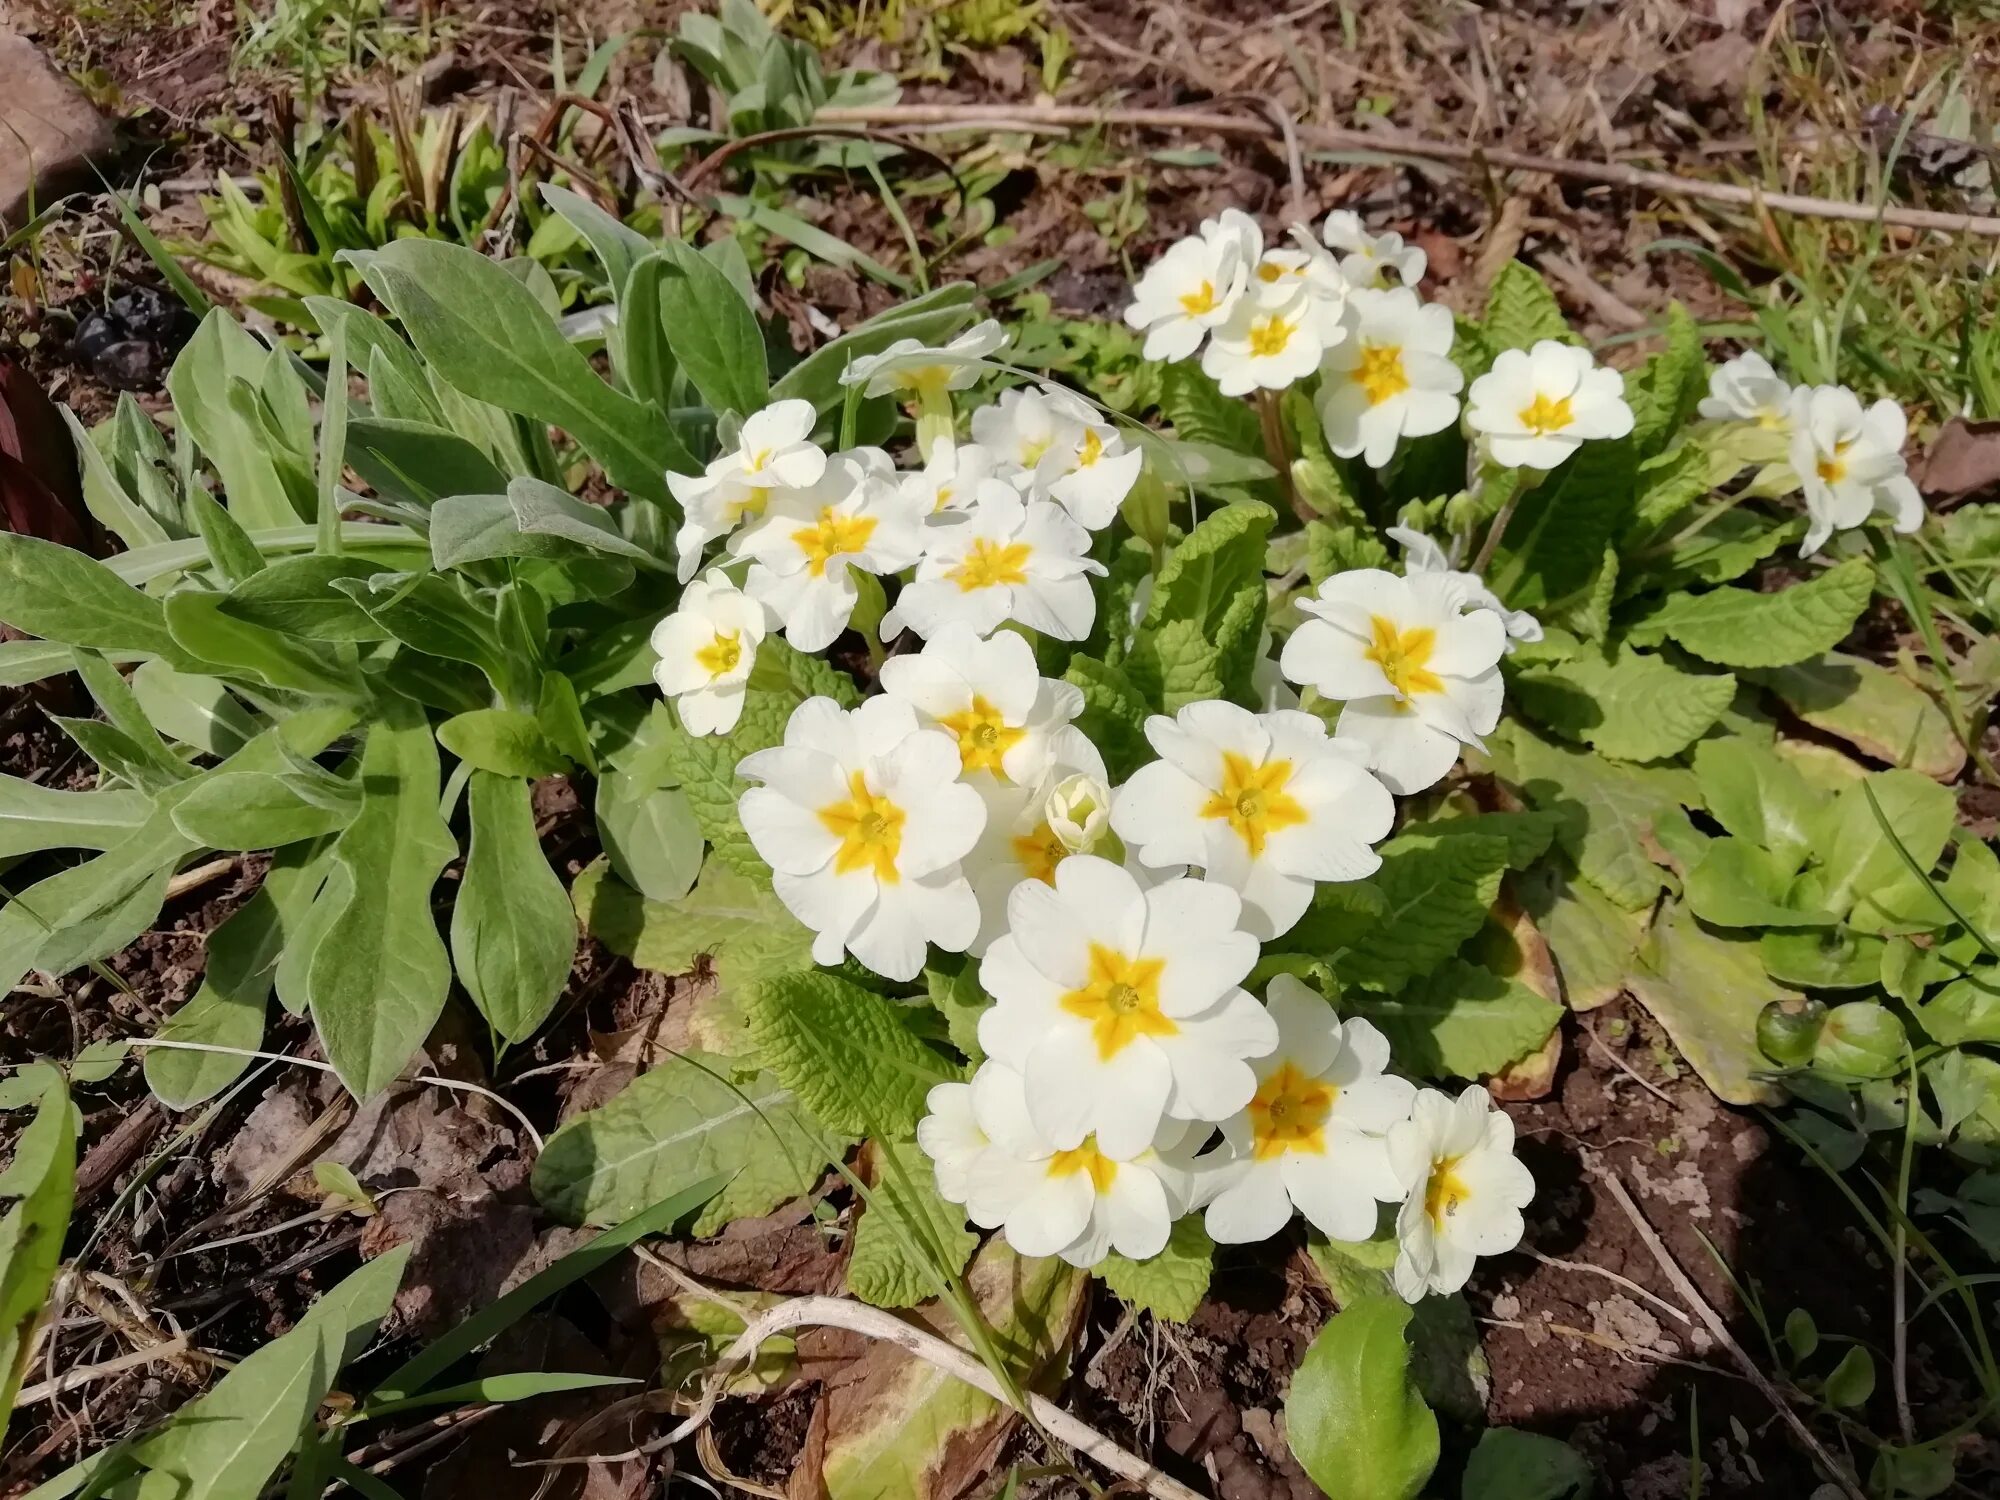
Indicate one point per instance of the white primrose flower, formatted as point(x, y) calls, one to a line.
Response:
point(1119, 1005)
point(1268, 347)
point(1850, 463)
point(949, 480)
point(909, 367)
point(1314, 1136)
point(1537, 406)
point(1747, 389)
point(863, 821)
point(1059, 447)
point(1286, 271)
point(1454, 1158)
point(1392, 377)
point(1007, 559)
point(1195, 286)
point(1371, 260)
point(1418, 671)
point(950, 1136)
point(1266, 804)
point(1079, 1202)
point(1032, 829)
point(1423, 555)
point(1008, 721)
point(706, 649)
point(805, 543)
point(774, 451)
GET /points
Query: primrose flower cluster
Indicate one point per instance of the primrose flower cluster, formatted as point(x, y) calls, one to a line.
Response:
point(1130, 1076)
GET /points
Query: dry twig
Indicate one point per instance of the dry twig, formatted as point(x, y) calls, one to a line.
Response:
point(991, 117)
point(1699, 1306)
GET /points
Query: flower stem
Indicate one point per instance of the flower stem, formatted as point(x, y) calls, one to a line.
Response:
point(1499, 527)
point(1272, 417)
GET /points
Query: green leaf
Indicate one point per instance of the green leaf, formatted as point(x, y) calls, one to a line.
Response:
point(1736, 883)
point(1460, 1021)
point(215, 385)
point(265, 810)
point(650, 833)
point(378, 977)
point(1556, 543)
point(34, 817)
point(230, 549)
point(1608, 812)
point(295, 596)
point(1114, 714)
point(1630, 706)
point(227, 1444)
point(418, 461)
point(684, 1121)
point(1510, 1464)
point(1666, 389)
point(513, 932)
point(439, 615)
point(144, 764)
point(1840, 959)
point(226, 643)
point(1758, 795)
point(953, 984)
point(1707, 990)
point(242, 963)
point(42, 1181)
point(1879, 712)
point(1966, 1010)
point(197, 711)
point(1743, 628)
point(1171, 1284)
point(1592, 937)
point(1446, 1362)
point(483, 332)
point(1726, 548)
point(710, 330)
point(1853, 1379)
point(1521, 310)
point(504, 741)
point(737, 925)
point(908, 1238)
point(1866, 879)
point(1438, 889)
point(844, 1051)
point(1353, 1416)
point(1206, 581)
point(541, 509)
point(1200, 413)
point(57, 593)
point(105, 495)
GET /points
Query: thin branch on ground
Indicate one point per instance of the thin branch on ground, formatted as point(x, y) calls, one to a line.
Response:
point(1609, 1275)
point(871, 1322)
point(455, 1085)
point(992, 117)
point(1699, 1305)
point(173, 1350)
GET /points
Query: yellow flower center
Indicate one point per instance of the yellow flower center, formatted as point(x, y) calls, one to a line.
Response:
point(870, 830)
point(831, 536)
point(721, 654)
point(1270, 272)
point(925, 382)
point(1092, 449)
point(1254, 800)
point(1445, 1191)
point(1200, 301)
point(1833, 468)
point(752, 504)
point(1269, 336)
point(1039, 853)
point(989, 563)
point(1401, 654)
point(758, 459)
point(1380, 373)
point(1543, 416)
point(1121, 1000)
point(1085, 1158)
point(984, 736)
point(944, 494)
point(1289, 1113)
